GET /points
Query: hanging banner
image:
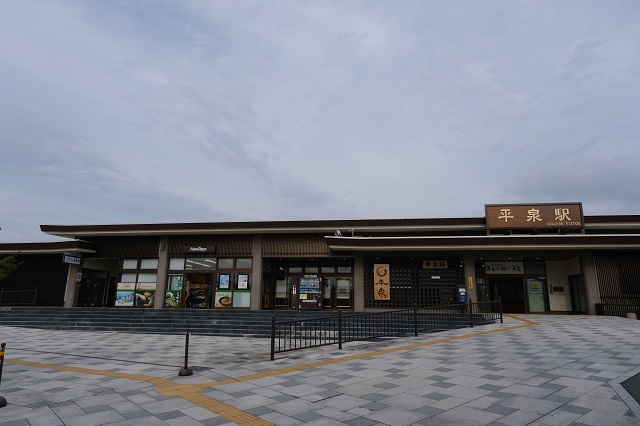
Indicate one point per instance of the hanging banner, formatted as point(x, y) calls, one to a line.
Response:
point(381, 282)
point(504, 268)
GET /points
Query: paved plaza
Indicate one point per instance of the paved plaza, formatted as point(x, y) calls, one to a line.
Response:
point(531, 370)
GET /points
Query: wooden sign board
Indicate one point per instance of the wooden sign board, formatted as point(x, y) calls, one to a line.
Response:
point(381, 282)
point(534, 216)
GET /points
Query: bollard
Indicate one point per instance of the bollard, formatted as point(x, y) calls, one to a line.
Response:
point(3, 402)
point(186, 371)
point(273, 337)
point(340, 330)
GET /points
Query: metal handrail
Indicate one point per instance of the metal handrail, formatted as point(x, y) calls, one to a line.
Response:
point(309, 333)
point(18, 297)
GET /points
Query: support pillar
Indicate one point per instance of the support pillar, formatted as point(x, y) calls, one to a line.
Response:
point(591, 283)
point(470, 277)
point(73, 286)
point(163, 269)
point(358, 283)
point(256, 274)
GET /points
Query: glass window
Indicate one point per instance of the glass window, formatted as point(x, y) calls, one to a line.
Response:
point(243, 263)
point(147, 277)
point(201, 263)
point(130, 264)
point(128, 278)
point(311, 270)
point(225, 263)
point(149, 264)
point(344, 269)
point(176, 264)
point(295, 269)
point(328, 269)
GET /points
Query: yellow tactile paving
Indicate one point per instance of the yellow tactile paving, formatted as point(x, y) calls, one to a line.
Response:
point(191, 392)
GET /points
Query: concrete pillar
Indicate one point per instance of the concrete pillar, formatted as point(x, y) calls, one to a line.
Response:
point(163, 269)
point(256, 274)
point(591, 283)
point(73, 286)
point(470, 277)
point(358, 283)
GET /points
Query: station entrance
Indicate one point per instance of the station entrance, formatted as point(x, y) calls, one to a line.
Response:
point(521, 285)
point(308, 284)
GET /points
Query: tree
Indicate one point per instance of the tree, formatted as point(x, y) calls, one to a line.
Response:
point(8, 264)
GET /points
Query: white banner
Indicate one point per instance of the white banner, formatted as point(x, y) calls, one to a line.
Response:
point(504, 268)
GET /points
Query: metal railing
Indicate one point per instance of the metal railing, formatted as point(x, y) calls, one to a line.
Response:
point(309, 333)
point(18, 297)
point(617, 309)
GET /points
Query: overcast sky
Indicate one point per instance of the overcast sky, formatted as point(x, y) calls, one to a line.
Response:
point(201, 111)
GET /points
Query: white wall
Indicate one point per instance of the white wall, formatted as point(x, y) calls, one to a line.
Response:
point(558, 276)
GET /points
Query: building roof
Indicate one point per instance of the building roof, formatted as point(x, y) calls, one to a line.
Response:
point(73, 246)
point(474, 224)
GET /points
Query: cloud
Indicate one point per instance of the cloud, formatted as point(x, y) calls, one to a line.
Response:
point(128, 112)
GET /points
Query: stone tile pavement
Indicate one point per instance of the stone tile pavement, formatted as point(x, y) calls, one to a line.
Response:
point(531, 370)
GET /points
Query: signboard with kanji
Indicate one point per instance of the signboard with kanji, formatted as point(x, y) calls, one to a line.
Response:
point(381, 282)
point(534, 216)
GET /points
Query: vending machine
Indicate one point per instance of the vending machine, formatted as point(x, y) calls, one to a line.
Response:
point(309, 294)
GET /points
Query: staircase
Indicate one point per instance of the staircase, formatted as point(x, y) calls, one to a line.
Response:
point(227, 322)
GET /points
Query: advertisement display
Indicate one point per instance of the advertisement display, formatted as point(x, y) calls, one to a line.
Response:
point(145, 295)
point(243, 281)
point(224, 283)
point(173, 296)
point(223, 299)
point(125, 294)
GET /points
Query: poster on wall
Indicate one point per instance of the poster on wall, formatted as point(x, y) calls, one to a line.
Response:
point(225, 279)
point(243, 281)
point(381, 282)
point(223, 299)
point(145, 294)
point(125, 294)
point(173, 299)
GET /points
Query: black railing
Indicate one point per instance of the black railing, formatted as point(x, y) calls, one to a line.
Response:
point(309, 333)
point(18, 297)
point(617, 309)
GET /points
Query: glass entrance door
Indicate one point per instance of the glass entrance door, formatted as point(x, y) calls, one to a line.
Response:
point(282, 293)
point(511, 291)
point(536, 289)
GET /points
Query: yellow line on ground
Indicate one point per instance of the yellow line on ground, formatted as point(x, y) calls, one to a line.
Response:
point(190, 392)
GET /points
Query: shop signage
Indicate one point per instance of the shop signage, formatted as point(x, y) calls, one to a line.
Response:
point(71, 259)
point(199, 249)
point(434, 264)
point(504, 268)
point(534, 216)
point(381, 282)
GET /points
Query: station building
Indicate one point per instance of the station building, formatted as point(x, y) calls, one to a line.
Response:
point(537, 258)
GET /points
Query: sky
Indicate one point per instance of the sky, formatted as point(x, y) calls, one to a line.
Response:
point(143, 111)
